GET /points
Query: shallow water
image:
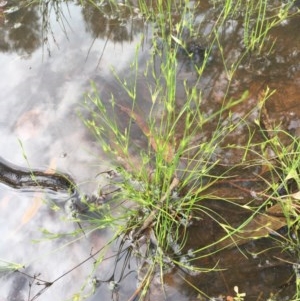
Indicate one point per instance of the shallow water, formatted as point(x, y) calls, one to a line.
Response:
point(42, 90)
point(42, 87)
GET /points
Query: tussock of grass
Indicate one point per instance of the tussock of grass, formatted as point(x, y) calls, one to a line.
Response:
point(166, 182)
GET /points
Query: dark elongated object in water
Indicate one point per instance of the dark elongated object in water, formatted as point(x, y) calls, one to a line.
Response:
point(18, 177)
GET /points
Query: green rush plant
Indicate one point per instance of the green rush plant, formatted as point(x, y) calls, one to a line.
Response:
point(278, 156)
point(164, 182)
point(259, 20)
point(258, 17)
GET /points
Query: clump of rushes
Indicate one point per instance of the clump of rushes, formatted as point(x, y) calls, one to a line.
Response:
point(163, 183)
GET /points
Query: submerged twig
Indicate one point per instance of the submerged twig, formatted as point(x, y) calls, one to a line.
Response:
point(167, 152)
point(151, 217)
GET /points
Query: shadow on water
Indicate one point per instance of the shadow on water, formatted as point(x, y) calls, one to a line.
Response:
point(39, 96)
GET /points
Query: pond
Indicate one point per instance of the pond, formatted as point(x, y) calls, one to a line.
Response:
point(49, 56)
